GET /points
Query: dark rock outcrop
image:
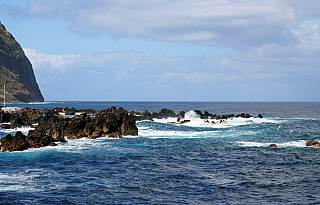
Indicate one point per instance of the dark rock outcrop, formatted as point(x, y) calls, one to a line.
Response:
point(4, 116)
point(273, 145)
point(166, 113)
point(24, 117)
point(21, 142)
point(259, 116)
point(312, 143)
point(16, 71)
point(111, 122)
point(16, 143)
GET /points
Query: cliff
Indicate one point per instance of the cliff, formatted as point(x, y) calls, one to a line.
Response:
point(16, 71)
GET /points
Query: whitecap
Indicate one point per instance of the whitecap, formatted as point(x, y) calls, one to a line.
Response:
point(150, 133)
point(253, 144)
point(39, 103)
point(298, 143)
point(24, 130)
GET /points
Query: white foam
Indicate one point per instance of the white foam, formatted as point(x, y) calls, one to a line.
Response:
point(24, 130)
point(78, 144)
point(165, 120)
point(129, 136)
point(5, 123)
point(150, 133)
point(85, 144)
point(299, 143)
point(143, 127)
point(253, 144)
point(191, 115)
point(21, 181)
point(39, 103)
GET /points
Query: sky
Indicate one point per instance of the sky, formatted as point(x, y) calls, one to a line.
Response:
point(170, 50)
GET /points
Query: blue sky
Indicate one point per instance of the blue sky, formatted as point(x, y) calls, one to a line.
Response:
point(170, 50)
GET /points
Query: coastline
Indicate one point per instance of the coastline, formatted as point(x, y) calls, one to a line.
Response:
point(57, 124)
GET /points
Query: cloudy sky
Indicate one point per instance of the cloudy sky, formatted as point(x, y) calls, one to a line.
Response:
point(170, 50)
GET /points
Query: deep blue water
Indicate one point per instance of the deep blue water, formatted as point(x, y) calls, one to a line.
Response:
point(197, 163)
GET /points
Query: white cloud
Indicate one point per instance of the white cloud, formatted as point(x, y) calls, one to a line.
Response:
point(258, 64)
point(274, 41)
point(52, 62)
point(229, 23)
point(124, 73)
point(309, 34)
point(226, 23)
point(62, 62)
point(272, 66)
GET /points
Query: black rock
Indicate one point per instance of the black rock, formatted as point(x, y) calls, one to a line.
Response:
point(54, 128)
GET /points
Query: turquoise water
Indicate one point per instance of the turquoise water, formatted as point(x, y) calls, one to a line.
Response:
point(196, 163)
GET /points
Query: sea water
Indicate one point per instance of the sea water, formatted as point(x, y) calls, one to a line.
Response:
point(193, 163)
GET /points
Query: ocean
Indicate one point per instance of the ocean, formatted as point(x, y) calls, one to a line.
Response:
point(195, 163)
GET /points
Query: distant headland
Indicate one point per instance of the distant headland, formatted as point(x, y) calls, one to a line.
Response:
point(16, 72)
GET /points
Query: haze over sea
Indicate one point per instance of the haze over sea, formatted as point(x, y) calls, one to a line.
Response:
point(195, 163)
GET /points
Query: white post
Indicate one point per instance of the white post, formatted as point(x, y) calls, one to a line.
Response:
point(4, 96)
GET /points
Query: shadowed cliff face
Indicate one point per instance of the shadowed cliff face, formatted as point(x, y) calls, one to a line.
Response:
point(16, 71)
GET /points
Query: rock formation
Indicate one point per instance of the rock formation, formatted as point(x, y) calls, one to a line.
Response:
point(312, 143)
point(16, 71)
point(166, 113)
point(52, 127)
point(111, 122)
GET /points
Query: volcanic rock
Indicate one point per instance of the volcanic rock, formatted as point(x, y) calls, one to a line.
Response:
point(259, 116)
point(312, 143)
point(164, 113)
point(52, 127)
point(16, 143)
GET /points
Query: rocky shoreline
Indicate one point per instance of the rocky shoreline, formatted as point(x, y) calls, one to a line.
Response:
point(51, 127)
point(165, 113)
point(58, 124)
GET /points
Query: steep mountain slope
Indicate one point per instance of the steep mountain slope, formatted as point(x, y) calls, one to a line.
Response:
point(16, 71)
